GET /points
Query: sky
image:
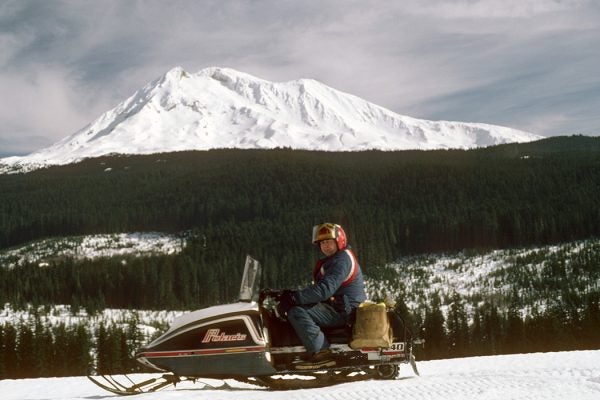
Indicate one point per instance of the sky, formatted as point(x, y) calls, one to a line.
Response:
point(532, 65)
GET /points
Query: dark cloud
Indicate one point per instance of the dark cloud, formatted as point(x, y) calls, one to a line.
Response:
point(21, 145)
point(529, 65)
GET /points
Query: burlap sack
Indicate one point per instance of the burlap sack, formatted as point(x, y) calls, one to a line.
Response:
point(372, 328)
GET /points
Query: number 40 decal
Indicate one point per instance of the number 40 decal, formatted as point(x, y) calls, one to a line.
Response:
point(398, 346)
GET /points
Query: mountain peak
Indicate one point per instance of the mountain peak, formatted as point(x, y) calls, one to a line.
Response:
point(176, 74)
point(224, 108)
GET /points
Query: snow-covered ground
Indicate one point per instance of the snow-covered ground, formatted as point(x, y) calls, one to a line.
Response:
point(539, 376)
point(57, 314)
point(469, 274)
point(496, 274)
point(94, 246)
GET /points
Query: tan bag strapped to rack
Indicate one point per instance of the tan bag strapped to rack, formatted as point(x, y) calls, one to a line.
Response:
point(372, 328)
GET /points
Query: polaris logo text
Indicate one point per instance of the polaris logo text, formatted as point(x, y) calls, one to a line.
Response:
point(215, 335)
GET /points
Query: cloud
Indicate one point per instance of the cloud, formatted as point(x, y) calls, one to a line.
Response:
point(21, 145)
point(492, 9)
point(45, 102)
point(497, 61)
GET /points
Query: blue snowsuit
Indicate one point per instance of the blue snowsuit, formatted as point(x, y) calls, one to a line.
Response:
point(330, 301)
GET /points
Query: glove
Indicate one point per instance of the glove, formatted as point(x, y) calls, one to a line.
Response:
point(286, 301)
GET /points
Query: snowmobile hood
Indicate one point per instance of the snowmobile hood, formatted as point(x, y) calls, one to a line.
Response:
point(212, 312)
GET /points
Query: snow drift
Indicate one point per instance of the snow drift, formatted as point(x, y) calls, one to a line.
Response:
point(539, 376)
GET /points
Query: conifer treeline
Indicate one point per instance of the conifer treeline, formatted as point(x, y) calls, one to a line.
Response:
point(263, 203)
point(533, 300)
point(492, 331)
point(172, 282)
point(392, 203)
point(31, 349)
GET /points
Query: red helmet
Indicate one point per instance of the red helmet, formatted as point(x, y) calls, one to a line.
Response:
point(328, 230)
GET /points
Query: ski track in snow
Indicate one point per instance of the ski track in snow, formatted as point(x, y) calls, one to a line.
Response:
point(539, 376)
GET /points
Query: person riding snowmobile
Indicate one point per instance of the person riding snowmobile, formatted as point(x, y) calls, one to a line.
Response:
point(338, 288)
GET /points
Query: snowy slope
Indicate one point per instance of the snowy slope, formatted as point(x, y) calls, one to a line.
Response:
point(471, 275)
point(494, 274)
point(224, 108)
point(539, 376)
point(93, 246)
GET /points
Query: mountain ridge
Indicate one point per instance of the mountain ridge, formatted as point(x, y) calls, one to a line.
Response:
point(224, 108)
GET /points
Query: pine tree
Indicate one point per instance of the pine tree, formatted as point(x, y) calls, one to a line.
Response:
point(44, 345)
point(434, 332)
point(103, 351)
point(26, 352)
point(11, 359)
point(78, 350)
point(60, 359)
point(2, 369)
point(477, 335)
point(457, 327)
point(134, 339)
point(492, 329)
point(514, 340)
point(590, 323)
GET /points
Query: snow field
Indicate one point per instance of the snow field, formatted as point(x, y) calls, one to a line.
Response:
point(94, 246)
point(539, 376)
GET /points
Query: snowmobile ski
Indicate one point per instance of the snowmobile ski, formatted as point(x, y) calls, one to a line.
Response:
point(114, 385)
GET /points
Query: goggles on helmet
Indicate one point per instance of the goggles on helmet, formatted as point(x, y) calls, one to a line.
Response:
point(329, 231)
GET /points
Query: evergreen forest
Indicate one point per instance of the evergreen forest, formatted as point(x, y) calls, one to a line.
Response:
point(264, 203)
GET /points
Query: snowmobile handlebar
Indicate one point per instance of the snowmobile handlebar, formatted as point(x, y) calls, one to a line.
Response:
point(274, 294)
point(266, 299)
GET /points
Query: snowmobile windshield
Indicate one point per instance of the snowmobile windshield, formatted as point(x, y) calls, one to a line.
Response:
point(249, 289)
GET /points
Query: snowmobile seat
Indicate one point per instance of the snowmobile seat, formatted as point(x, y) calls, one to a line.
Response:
point(339, 334)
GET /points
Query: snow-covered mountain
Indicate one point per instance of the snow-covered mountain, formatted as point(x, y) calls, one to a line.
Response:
point(224, 108)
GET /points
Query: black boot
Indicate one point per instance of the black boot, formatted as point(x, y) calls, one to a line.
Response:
point(320, 359)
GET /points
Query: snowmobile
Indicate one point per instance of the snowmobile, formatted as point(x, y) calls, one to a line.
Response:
point(249, 341)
